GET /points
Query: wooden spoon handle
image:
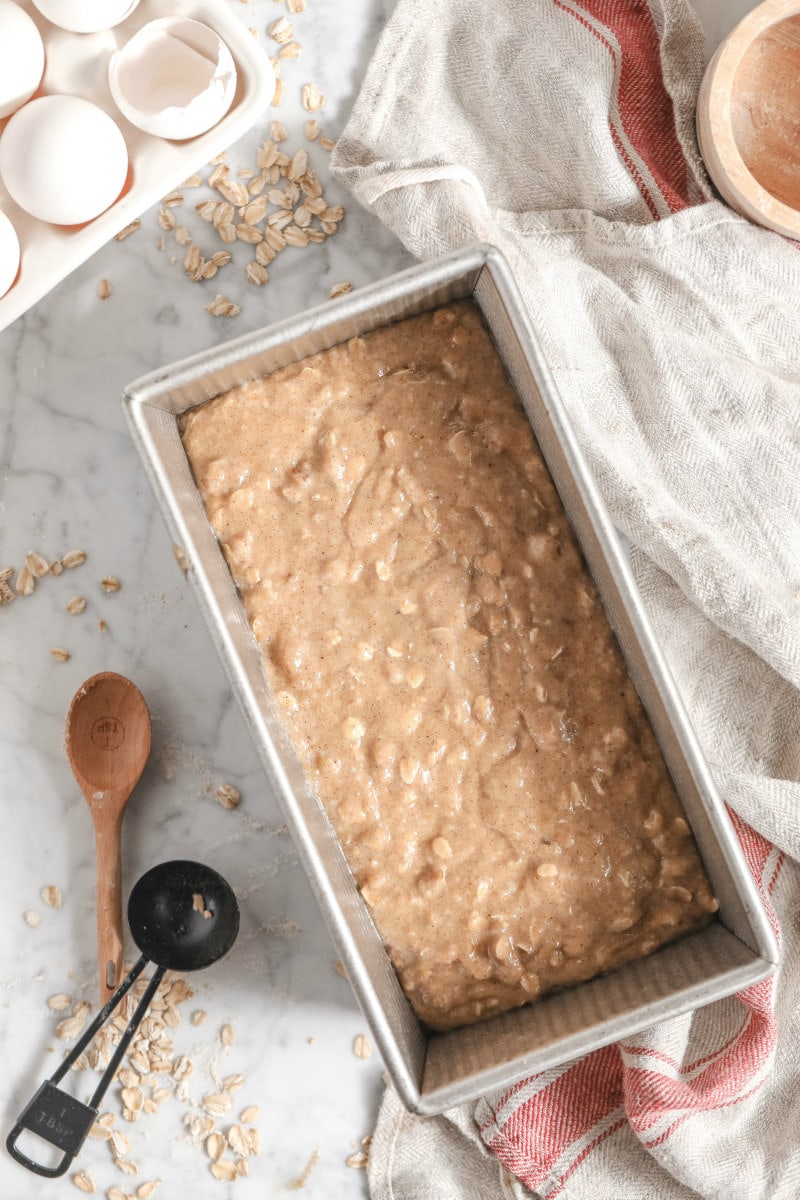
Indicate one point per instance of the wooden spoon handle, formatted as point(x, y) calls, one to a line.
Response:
point(109, 904)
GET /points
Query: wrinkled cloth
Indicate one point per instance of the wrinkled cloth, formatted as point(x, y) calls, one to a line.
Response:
point(562, 131)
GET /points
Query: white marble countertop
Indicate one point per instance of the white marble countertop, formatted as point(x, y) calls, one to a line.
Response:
point(69, 478)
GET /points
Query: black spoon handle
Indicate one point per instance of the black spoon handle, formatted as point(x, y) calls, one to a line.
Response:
point(56, 1116)
point(122, 1045)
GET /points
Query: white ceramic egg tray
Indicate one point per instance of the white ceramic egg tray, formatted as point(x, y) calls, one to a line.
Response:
point(77, 64)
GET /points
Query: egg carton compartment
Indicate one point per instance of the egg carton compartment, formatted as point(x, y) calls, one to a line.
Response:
point(76, 64)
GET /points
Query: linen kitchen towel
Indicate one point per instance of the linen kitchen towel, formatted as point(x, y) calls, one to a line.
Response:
point(563, 132)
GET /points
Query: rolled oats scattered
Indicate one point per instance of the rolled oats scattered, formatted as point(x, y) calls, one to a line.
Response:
point(32, 919)
point(224, 1170)
point(100, 1132)
point(37, 564)
point(73, 558)
point(219, 158)
point(234, 193)
point(128, 230)
point(182, 236)
point(7, 596)
point(359, 1159)
point(132, 1098)
point(295, 236)
point(199, 1017)
point(228, 797)
point(101, 626)
point(238, 1140)
point(5, 574)
point(232, 1083)
point(59, 1002)
point(249, 233)
point(298, 165)
point(281, 30)
point(339, 289)
point(25, 583)
point(280, 92)
point(362, 1047)
point(117, 1193)
point(254, 1138)
point(193, 181)
point(70, 1028)
point(242, 1166)
point(51, 896)
point(110, 584)
point(182, 1068)
point(250, 1114)
point(206, 209)
point(256, 185)
point(327, 143)
point(128, 1167)
point(141, 1063)
point(146, 1190)
point(166, 219)
point(217, 1103)
point(83, 1182)
point(104, 289)
point(172, 199)
point(255, 211)
point(219, 175)
point(290, 50)
point(296, 6)
point(221, 306)
point(119, 1143)
point(313, 99)
point(256, 274)
point(227, 1035)
point(76, 605)
point(298, 1184)
point(59, 654)
point(215, 1146)
point(56, 567)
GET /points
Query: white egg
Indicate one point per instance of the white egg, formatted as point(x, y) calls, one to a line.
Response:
point(21, 57)
point(9, 254)
point(85, 16)
point(175, 78)
point(63, 159)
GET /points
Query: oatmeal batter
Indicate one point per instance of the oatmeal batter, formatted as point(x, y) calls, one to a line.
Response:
point(446, 673)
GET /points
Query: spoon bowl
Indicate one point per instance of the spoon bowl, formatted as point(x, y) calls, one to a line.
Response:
point(107, 740)
point(183, 915)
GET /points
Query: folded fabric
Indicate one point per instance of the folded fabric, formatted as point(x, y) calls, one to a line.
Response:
point(563, 132)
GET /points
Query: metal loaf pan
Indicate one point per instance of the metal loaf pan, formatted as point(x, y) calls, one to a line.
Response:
point(432, 1072)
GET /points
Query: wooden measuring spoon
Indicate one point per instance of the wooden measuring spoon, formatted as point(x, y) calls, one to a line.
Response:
point(108, 742)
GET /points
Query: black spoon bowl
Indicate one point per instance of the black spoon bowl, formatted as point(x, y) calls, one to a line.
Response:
point(183, 916)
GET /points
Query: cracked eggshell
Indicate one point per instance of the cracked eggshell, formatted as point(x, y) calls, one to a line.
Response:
point(9, 254)
point(21, 57)
point(85, 16)
point(63, 160)
point(175, 78)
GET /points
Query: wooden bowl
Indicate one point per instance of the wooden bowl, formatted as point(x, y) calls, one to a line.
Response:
point(748, 117)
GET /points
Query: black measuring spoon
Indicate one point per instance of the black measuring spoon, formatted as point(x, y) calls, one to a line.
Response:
point(183, 916)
